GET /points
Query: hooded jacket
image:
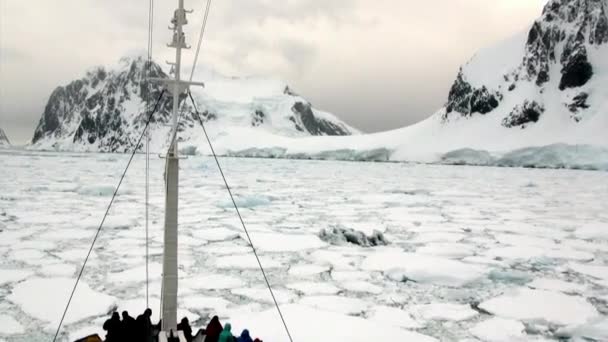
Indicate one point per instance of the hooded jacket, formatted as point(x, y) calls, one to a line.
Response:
point(226, 335)
point(244, 337)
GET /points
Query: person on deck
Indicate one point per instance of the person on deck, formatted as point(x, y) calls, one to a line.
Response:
point(226, 335)
point(244, 337)
point(129, 327)
point(144, 326)
point(113, 327)
point(213, 330)
point(184, 326)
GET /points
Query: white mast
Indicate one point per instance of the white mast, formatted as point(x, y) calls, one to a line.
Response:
point(177, 87)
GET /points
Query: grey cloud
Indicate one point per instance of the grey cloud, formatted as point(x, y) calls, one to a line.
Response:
point(299, 53)
point(244, 12)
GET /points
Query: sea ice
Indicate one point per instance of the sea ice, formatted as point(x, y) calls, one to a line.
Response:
point(596, 330)
point(593, 231)
point(212, 281)
point(394, 316)
point(262, 294)
point(422, 268)
point(9, 276)
point(328, 326)
point(423, 238)
point(557, 285)
point(307, 270)
point(275, 242)
point(205, 303)
point(245, 261)
point(350, 275)
point(247, 202)
point(27, 255)
point(215, 234)
point(412, 204)
point(444, 311)
point(533, 252)
point(10, 326)
point(55, 270)
point(137, 273)
point(541, 306)
point(361, 286)
point(599, 272)
point(448, 250)
point(339, 304)
point(312, 288)
point(45, 299)
point(497, 329)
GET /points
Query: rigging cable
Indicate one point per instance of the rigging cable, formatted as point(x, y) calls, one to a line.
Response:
point(147, 194)
point(200, 39)
point(122, 177)
point(240, 217)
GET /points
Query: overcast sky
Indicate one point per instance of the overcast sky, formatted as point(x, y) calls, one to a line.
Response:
point(377, 64)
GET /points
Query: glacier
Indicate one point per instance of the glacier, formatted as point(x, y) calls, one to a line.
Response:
point(468, 247)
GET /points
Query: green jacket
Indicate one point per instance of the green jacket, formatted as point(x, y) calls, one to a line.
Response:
point(226, 335)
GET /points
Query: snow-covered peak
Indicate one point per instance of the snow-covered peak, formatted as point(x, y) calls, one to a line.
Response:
point(552, 75)
point(4, 139)
point(107, 109)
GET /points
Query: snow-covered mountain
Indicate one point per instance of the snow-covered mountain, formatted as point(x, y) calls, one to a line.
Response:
point(556, 75)
point(4, 139)
point(106, 110)
point(538, 98)
point(541, 95)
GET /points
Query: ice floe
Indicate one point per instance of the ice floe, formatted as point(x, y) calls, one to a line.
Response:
point(444, 311)
point(401, 266)
point(262, 294)
point(273, 242)
point(599, 273)
point(593, 230)
point(11, 275)
point(246, 261)
point(328, 326)
point(212, 282)
point(556, 285)
point(10, 326)
point(497, 329)
point(541, 306)
point(307, 270)
point(394, 316)
point(595, 330)
point(340, 304)
point(361, 286)
point(312, 288)
point(45, 299)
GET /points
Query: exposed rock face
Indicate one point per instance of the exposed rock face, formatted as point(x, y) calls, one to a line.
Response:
point(305, 120)
point(465, 99)
point(527, 113)
point(578, 104)
point(4, 139)
point(107, 110)
point(91, 110)
point(558, 56)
